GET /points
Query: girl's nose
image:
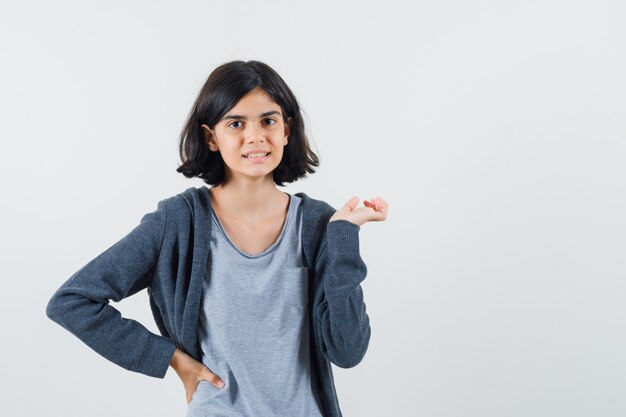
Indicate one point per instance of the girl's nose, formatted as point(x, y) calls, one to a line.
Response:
point(255, 134)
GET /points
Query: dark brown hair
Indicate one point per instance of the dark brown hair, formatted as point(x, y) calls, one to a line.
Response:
point(225, 86)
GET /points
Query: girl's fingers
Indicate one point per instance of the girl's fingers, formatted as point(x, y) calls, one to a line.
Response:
point(377, 202)
point(372, 204)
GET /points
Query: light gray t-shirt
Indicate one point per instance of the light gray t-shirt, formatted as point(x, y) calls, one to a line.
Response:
point(254, 328)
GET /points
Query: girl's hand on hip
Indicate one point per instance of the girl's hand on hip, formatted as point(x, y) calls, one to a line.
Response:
point(191, 372)
point(375, 210)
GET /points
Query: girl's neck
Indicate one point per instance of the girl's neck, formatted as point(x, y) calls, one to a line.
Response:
point(248, 199)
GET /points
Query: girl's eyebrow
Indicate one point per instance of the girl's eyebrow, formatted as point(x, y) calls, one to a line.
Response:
point(237, 116)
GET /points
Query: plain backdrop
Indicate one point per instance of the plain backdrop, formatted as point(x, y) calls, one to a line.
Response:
point(496, 131)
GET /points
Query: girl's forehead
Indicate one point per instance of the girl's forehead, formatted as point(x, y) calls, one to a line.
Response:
point(255, 98)
point(253, 106)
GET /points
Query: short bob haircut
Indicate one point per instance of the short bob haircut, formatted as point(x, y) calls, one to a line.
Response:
point(225, 86)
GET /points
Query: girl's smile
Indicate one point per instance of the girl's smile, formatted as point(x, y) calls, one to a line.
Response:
point(257, 157)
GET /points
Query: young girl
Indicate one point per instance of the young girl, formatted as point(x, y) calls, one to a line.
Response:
point(255, 291)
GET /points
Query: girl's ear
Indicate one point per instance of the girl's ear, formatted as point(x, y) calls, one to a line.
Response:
point(209, 138)
point(288, 129)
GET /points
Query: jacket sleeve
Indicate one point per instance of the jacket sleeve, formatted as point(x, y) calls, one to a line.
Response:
point(343, 324)
point(81, 304)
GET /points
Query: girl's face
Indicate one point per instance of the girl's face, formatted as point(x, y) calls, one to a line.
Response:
point(254, 125)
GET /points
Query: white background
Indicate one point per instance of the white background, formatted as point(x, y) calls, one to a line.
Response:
point(496, 130)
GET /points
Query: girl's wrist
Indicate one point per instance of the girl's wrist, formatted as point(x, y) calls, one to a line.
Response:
point(174, 362)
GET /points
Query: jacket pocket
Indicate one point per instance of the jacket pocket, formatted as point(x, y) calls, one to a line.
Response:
point(295, 286)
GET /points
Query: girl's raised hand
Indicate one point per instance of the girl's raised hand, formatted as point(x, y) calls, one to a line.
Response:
point(375, 210)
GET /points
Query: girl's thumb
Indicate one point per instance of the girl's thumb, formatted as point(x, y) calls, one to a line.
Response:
point(351, 204)
point(213, 378)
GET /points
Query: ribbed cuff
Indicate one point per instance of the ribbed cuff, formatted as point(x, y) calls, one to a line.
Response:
point(157, 356)
point(343, 237)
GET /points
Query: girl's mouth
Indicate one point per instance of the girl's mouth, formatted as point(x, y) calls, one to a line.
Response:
point(256, 157)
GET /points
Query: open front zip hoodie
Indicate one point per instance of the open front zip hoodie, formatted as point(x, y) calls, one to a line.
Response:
point(167, 254)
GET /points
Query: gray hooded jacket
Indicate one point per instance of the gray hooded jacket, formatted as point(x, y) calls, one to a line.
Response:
point(167, 253)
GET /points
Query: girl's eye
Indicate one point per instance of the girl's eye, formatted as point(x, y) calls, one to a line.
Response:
point(265, 120)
